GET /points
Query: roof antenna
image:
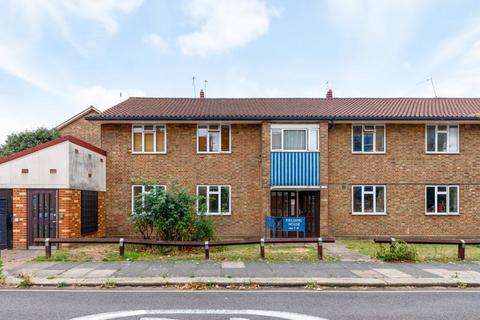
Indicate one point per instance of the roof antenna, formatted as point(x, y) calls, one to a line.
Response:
point(194, 89)
point(120, 96)
point(205, 86)
point(326, 86)
point(433, 86)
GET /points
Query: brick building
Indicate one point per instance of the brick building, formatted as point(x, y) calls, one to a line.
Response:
point(351, 167)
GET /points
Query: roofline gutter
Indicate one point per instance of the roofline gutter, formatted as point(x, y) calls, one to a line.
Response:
point(439, 118)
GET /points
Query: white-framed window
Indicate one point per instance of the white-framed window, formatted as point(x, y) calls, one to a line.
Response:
point(369, 199)
point(368, 138)
point(442, 138)
point(216, 199)
point(214, 138)
point(441, 200)
point(294, 137)
point(141, 189)
point(149, 138)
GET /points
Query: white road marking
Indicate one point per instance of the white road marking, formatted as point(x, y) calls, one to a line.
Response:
point(264, 313)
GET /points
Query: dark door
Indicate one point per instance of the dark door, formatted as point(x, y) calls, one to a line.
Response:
point(309, 207)
point(42, 214)
point(6, 234)
point(283, 204)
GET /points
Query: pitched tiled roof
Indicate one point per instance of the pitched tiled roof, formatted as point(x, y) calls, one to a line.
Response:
point(293, 108)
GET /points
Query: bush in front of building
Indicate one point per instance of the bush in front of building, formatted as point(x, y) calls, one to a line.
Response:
point(171, 215)
point(396, 252)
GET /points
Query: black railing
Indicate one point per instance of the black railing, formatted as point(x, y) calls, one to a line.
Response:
point(205, 244)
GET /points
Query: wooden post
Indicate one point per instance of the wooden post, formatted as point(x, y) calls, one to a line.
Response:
point(320, 248)
point(392, 240)
point(207, 251)
point(48, 248)
point(461, 250)
point(262, 248)
point(121, 247)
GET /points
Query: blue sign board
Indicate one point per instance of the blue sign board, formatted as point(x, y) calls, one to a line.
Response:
point(293, 224)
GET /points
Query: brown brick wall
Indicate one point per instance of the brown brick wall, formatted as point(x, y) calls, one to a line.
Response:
point(241, 169)
point(88, 131)
point(20, 223)
point(404, 169)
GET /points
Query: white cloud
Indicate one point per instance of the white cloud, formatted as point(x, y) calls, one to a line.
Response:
point(100, 96)
point(156, 41)
point(224, 25)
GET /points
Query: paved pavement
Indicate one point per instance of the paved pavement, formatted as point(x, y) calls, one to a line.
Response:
point(239, 305)
point(262, 273)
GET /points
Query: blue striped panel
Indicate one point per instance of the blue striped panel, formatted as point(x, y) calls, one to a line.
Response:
point(295, 168)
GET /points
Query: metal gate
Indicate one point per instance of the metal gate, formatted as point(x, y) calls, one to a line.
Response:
point(42, 214)
point(6, 234)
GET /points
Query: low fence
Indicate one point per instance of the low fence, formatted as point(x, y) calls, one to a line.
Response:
point(195, 244)
point(461, 243)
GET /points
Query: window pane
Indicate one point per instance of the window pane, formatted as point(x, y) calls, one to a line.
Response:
point(430, 199)
point(148, 140)
point(431, 138)
point(160, 143)
point(137, 199)
point(368, 141)
point(368, 202)
point(276, 139)
point(357, 199)
point(380, 199)
point(202, 139)
point(313, 139)
point(452, 200)
point(294, 140)
point(453, 139)
point(225, 199)
point(441, 203)
point(357, 138)
point(441, 141)
point(368, 188)
point(202, 199)
point(137, 142)
point(226, 138)
point(380, 139)
point(149, 128)
point(214, 141)
point(213, 202)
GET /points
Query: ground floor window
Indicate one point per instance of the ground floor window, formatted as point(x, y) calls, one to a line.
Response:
point(214, 200)
point(138, 190)
point(368, 199)
point(441, 199)
point(89, 214)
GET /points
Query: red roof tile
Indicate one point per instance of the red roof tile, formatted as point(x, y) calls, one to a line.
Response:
point(293, 108)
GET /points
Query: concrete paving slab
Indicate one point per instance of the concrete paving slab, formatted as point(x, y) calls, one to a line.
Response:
point(131, 269)
point(76, 272)
point(393, 273)
point(233, 265)
point(100, 273)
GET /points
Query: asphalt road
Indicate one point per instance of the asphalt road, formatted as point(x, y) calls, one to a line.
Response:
point(238, 305)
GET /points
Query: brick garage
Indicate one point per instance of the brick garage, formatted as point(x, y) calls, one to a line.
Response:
point(49, 184)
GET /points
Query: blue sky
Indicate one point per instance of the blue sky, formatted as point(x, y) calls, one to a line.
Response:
point(59, 57)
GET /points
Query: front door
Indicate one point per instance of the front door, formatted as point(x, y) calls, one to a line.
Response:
point(42, 215)
point(6, 234)
point(309, 207)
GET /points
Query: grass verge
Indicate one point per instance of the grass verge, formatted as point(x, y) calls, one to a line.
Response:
point(425, 252)
point(142, 253)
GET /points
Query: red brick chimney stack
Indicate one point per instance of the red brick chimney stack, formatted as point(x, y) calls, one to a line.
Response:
point(329, 94)
point(202, 94)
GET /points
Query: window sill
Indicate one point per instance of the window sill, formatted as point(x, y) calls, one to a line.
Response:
point(429, 152)
point(359, 152)
point(441, 214)
point(369, 214)
point(223, 152)
point(214, 214)
point(295, 151)
point(149, 153)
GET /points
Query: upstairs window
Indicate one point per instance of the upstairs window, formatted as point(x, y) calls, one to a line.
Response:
point(294, 138)
point(368, 138)
point(149, 139)
point(137, 194)
point(441, 199)
point(442, 139)
point(213, 138)
point(215, 200)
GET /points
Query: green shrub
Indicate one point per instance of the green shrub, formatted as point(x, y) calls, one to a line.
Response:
point(397, 251)
point(171, 215)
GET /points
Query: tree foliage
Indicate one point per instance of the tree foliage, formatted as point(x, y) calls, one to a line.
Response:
point(171, 215)
point(20, 141)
